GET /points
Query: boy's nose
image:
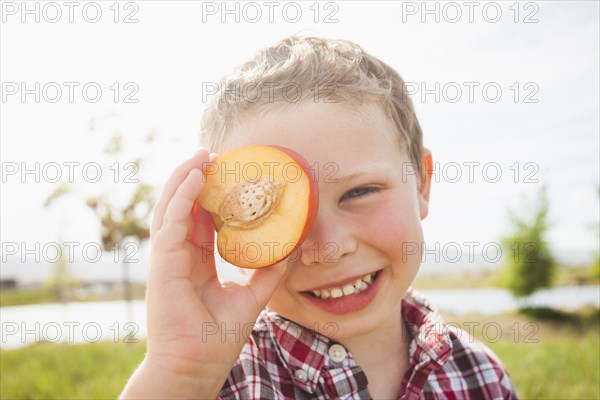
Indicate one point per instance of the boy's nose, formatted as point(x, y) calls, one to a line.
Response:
point(327, 242)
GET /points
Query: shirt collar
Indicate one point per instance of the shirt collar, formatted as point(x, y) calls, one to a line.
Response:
point(431, 344)
point(301, 348)
point(298, 348)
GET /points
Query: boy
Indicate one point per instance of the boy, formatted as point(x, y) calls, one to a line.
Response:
point(341, 320)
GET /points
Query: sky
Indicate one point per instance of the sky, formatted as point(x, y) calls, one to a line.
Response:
point(507, 94)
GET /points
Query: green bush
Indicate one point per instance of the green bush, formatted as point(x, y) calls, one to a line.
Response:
point(529, 265)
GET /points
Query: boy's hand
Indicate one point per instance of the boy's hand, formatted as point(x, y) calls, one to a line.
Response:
point(189, 354)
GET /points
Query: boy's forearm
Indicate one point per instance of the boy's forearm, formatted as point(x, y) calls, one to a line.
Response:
point(151, 382)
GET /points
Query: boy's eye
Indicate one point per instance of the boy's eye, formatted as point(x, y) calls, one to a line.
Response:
point(359, 192)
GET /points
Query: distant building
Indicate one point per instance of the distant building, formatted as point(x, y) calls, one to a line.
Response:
point(8, 284)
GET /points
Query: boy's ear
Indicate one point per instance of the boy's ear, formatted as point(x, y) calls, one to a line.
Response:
point(425, 186)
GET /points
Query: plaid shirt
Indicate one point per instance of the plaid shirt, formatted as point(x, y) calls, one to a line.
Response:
point(282, 360)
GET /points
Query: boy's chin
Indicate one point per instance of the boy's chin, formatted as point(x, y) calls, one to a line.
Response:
point(353, 328)
point(340, 328)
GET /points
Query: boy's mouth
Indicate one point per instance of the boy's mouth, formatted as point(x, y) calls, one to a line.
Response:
point(347, 297)
point(357, 286)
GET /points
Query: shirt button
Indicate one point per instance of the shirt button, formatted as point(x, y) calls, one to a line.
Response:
point(337, 352)
point(301, 375)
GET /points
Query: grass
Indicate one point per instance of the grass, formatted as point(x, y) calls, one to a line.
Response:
point(63, 371)
point(16, 297)
point(553, 369)
point(549, 354)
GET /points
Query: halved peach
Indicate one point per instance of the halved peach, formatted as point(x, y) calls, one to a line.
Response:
point(263, 201)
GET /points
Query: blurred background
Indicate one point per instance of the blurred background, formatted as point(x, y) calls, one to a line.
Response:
point(101, 100)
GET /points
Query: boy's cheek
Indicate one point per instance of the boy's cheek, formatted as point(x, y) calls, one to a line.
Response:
point(401, 224)
point(286, 279)
point(282, 301)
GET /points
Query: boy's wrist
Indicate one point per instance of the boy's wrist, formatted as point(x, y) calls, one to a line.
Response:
point(154, 379)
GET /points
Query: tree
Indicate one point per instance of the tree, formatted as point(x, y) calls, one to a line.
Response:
point(530, 264)
point(595, 268)
point(120, 224)
point(119, 221)
point(62, 283)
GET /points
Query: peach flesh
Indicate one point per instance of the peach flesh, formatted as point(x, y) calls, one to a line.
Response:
point(263, 201)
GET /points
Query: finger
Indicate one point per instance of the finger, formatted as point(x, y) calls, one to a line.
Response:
point(200, 219)
point(203, 227)
point(180, 206)
point(203, 233)
point(177, 221)
point(203, 238)
point(198, 160)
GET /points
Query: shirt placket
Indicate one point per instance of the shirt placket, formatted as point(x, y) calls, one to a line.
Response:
point(342, 378)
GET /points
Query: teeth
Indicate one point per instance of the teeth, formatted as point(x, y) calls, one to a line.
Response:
point(356, 287)
point(348, 289)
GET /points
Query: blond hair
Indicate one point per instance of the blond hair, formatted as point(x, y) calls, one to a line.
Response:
point(314, 68)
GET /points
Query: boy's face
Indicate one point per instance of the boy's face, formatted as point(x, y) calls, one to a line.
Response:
point(368, 221)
